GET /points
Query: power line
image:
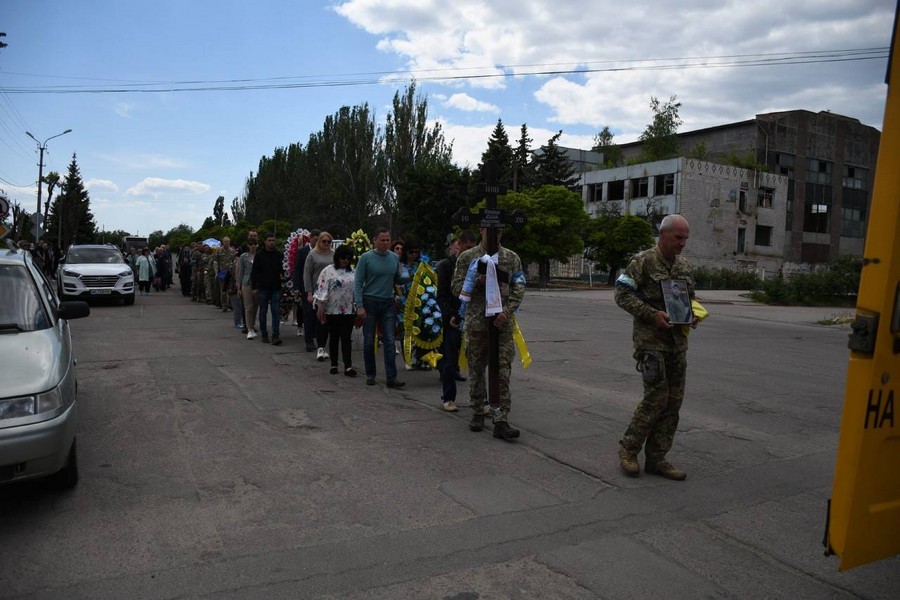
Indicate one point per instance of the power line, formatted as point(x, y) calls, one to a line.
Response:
point(496, 72)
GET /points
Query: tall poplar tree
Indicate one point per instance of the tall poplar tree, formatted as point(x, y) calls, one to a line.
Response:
point(523, 175)
point(501, 153)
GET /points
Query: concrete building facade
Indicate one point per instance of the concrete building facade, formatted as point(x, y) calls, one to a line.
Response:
point(737, 215)
point(829, 161)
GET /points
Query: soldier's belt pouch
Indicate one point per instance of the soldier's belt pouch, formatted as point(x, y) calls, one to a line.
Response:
point(652, 366)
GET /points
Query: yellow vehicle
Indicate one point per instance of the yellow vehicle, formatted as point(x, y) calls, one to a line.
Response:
point(864, 510)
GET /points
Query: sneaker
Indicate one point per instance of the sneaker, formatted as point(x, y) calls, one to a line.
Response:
point(299, 332)
point(459, 377)
point(350, 372)
point(252, 335)
point(320, 354)
point(370, 381)
point(408, 367)
point(265, 338)
point(450, 406)
point(333, 370)
point(505, 431)
point(295, 324)
point(477, 422)
point(665, 469)
point(276, 340)
point(629, 463)
point(326, 355)
point(239, 326)
point(393, 383)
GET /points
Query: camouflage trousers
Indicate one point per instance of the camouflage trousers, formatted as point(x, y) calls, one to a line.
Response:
point(477, 354)
point(209, 282)
point(655, 419)
point(197, 291)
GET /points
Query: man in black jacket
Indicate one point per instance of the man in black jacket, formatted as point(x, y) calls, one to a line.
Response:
point(449, 304)
point(265, 282)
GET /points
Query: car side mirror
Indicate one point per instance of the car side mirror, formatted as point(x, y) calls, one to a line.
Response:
point(73, 309)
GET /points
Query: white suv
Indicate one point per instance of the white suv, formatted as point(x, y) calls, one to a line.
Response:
point(95, 271)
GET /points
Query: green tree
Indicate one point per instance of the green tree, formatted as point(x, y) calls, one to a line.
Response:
point(437, 190)
point(660, 139)
point(52, 180)
point(409, 142)
point(219, 211)
point(611, 239)
point(178, 236)
point(612, 153)
point(71, 218)
point(156, 238)
point(238, 209)
point(555, 222)
point(553, 167)
point(501, 153)
point(524, 175)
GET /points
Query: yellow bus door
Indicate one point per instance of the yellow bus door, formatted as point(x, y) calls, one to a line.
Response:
point(864, 510)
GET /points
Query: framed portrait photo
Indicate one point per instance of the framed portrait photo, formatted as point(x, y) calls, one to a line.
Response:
point(678, 301)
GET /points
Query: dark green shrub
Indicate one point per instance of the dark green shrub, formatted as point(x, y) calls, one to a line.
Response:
point(836, 285)
point(720, 278)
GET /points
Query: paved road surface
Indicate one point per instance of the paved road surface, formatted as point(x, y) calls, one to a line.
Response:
point(217, 467)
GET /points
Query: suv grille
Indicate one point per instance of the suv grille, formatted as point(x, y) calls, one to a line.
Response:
point(99, 281)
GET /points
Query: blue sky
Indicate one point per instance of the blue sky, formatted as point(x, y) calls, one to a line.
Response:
point(155, 159)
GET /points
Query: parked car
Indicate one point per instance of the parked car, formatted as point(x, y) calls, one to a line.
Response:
point(88, 271)
point(38, 386)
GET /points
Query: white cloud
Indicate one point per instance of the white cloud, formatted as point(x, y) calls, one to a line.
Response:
point(155, 185)
point(468, 103)
point(637, 50)
point(124, 109)
point(104, 184)
point(145, 161)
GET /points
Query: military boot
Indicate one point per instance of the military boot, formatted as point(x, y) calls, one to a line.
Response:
point(477, 422)
point(665, 469)
point(629, 463)
point(505, 431)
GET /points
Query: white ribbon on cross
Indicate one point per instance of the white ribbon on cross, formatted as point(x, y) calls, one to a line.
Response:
point(493, 304)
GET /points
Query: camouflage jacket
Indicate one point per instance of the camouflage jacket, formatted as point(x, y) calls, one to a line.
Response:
point(223, 259)
point(639, 291)
point(195, 259)
point(512, 288)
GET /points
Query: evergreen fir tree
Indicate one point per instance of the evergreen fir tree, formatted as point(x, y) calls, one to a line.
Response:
point(502, 153)
point(523, 176)
point(553, 167)
point(71, 220)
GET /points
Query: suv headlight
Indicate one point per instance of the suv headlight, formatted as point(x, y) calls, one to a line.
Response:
point(68, 273)
point(126, 273)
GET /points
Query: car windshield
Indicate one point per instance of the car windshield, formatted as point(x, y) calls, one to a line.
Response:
point(21, 308)
point(105, 256)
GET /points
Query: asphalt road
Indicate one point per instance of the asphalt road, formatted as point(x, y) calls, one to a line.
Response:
point(213, 466)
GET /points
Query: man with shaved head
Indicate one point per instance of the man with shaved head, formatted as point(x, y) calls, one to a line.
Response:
point(660, 348)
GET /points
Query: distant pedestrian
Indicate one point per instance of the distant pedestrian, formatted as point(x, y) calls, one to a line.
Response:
point(265, 281)
point(243, 270)
point(308, 312)
point(319, 257)
point(145, 267)
point(377, 272)
point(335, 306)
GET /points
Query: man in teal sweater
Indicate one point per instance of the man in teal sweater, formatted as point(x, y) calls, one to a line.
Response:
point(377, 272)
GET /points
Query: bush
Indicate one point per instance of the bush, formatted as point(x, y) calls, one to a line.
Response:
point(836, 285)
point(707, 278)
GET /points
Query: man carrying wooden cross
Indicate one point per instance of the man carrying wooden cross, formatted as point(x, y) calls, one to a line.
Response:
point(493, 286)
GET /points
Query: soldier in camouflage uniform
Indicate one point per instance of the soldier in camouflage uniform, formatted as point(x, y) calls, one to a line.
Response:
point(197, 292)
point(660, 349)
point(209, 276)
point(475, 328)
point(223, 259)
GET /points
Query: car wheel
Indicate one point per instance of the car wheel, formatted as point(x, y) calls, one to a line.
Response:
point(67, 477)
point(129, 299)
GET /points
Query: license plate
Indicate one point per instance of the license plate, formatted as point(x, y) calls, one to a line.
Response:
point(100, 292)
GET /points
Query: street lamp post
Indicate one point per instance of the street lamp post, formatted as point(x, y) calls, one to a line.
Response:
point(42, 147)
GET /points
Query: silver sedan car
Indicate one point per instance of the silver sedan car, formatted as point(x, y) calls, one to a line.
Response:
point(37, 375)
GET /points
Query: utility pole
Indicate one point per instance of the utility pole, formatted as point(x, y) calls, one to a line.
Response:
point(41, 147)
